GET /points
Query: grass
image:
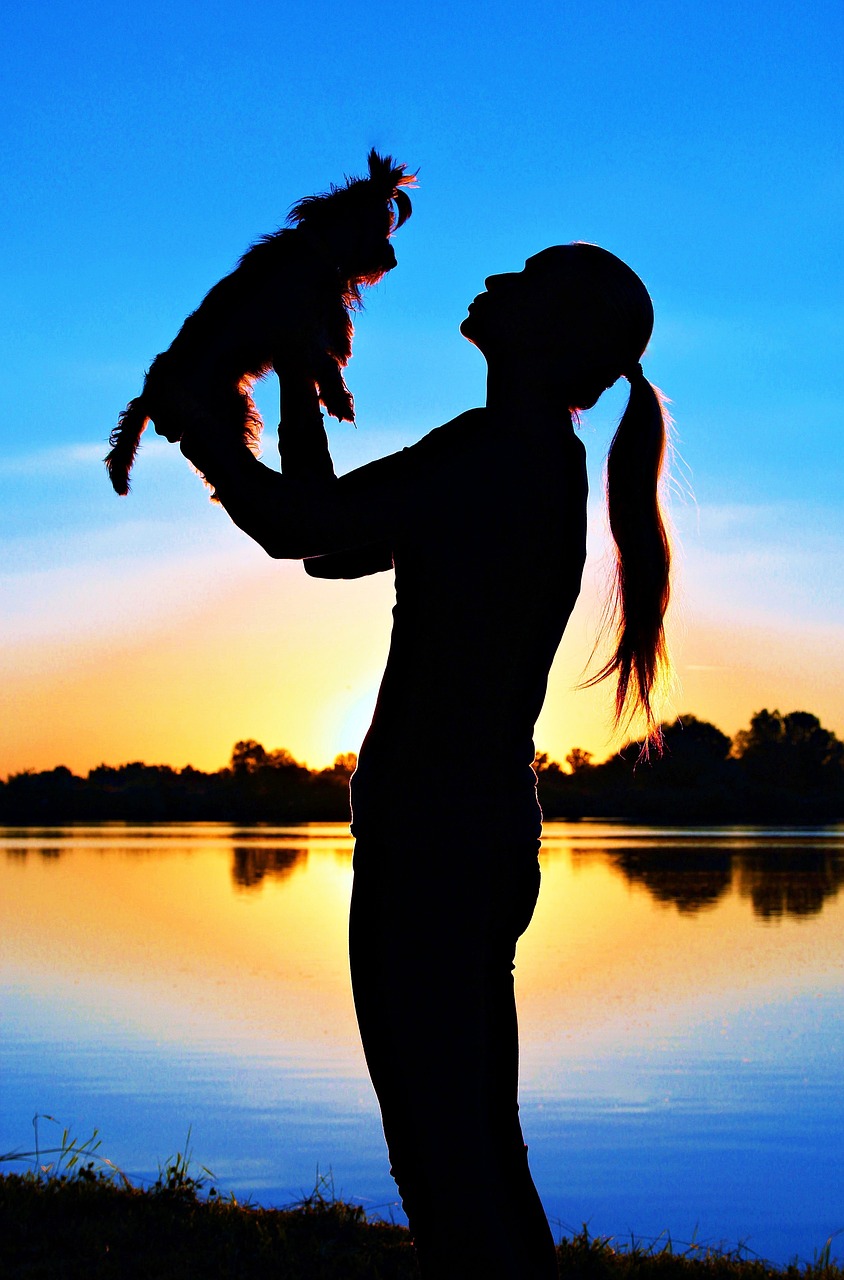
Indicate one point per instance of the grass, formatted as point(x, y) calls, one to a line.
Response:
point(77, 1216)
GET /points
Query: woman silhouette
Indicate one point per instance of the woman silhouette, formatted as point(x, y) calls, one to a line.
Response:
point(484, 521)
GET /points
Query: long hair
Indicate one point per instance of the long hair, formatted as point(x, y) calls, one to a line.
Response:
point(641, 580)
point(615, 313)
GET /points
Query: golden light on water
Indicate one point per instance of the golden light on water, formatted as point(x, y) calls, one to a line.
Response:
point(604, 957)
point(679, 999)
point(221, 933)
point(172, 942)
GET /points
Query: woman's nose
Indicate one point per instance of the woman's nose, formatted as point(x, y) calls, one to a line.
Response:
point(492, 281)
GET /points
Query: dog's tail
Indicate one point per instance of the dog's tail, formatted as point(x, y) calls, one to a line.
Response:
point(124, 441)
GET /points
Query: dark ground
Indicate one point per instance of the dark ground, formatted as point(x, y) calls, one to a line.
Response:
point(92, 1227)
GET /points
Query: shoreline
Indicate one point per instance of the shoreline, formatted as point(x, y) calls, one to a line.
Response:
point(93, 1224)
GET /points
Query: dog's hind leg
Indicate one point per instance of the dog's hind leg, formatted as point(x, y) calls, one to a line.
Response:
point(252, 424)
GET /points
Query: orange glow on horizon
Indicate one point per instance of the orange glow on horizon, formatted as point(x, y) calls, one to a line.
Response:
point(296, 663)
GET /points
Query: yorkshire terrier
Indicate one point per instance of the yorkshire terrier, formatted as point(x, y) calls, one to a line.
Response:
point(289, 300)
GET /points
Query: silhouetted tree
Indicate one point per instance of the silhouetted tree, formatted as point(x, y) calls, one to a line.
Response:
point(542, 763)
point(247, 756)
point(345, 764)
point(553, 788)
point(696, 739)
point(692, 750)
point(578, 760)
point(37, 797)
point(783, 768)
point(792, 751)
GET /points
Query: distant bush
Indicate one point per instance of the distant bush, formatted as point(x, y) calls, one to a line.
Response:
point(783, 768)
point(258, 786)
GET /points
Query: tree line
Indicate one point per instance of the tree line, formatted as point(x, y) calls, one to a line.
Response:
point(782, 768)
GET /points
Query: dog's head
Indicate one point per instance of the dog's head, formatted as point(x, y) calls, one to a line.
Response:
point(357, 220)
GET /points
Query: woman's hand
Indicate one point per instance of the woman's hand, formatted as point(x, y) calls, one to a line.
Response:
point(205, 440)
point(210, 449)
point(302, 442)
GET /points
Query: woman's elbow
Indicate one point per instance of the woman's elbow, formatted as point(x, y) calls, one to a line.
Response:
point(279, 543)
point(278, 549)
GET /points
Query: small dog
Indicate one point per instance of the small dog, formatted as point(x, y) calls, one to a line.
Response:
point(291, 296)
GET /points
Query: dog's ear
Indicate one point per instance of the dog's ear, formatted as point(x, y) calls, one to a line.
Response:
point(403, 208)
point(384, 182)
point(388, 176)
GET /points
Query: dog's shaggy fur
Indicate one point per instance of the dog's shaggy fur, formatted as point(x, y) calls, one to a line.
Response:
point(288, 303)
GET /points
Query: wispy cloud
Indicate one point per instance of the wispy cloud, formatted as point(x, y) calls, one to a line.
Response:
point(774, 563)
point(125, 595)
point(63, 458)
point(758, 564)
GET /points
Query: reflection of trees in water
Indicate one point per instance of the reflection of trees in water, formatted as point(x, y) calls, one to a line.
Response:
point(778, 882)
point(692, 879)
point(785, 882)
point(22, 851)
point(251, 863)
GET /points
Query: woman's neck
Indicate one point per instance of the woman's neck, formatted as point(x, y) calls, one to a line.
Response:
point(526, 399)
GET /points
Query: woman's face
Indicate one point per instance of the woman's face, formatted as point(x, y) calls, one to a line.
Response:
point(574, 309)
point(520, 309)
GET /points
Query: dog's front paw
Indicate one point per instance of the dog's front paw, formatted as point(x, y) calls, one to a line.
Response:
point(165, 426)
point(340, 404)
point(170, 434)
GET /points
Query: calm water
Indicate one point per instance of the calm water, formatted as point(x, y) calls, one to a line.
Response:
point(681, 1004)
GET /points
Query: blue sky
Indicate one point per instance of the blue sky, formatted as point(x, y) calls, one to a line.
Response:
point(145, 146)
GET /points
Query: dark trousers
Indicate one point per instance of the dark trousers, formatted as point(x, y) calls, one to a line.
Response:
point(432, 941)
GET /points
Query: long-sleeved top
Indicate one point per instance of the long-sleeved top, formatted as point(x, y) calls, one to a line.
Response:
point(486, 528)
point(484, 521)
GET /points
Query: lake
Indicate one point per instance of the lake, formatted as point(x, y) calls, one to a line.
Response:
point(681, 1000)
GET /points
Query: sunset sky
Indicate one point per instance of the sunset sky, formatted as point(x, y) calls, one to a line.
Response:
point(145, 146)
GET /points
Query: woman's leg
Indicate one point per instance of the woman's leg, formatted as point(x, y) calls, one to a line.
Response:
point(432, 941)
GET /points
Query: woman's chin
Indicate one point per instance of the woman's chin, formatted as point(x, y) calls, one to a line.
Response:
point(467, 327)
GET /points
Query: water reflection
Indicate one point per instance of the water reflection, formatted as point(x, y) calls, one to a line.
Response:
point(781, 883)
point(780, 872)
point(778, 882)
point(681, 1009)
point(693, 879)
point(250, 864)
point(23, 851)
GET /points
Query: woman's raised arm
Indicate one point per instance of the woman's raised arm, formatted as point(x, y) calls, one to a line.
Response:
point(306, 511)
point(303, 447)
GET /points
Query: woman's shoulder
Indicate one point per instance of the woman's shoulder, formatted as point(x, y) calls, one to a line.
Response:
point(446, 446)
point(441, 453)
point(458, 432)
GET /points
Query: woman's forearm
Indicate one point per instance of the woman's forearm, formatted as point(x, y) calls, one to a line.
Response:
point(281, 514)
point(277, 511)
point(294, 518)
point(306, 511)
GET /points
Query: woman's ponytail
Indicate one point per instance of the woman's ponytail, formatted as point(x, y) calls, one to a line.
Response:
point(643, 555)
point(595, 322)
